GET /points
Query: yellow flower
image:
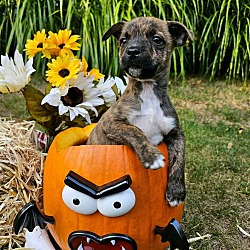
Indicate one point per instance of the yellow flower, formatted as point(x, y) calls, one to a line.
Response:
point(62, 43)
point(92, 72)
point(38, 44)
point(61, 69)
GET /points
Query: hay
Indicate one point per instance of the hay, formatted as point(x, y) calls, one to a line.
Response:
point(21, 169)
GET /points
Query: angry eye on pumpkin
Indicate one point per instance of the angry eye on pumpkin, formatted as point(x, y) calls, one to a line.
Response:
point(116, 204)
point(78, 202)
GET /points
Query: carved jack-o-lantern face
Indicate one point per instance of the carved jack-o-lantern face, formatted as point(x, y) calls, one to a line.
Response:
point(102, 198)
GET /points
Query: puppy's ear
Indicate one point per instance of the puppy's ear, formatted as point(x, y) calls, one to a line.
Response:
point(115, 30)
point(179, 33)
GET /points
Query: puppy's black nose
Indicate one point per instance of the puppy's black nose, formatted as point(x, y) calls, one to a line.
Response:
point(134, 51)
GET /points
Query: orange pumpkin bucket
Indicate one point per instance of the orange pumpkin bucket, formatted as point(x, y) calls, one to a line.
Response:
point(101, 197)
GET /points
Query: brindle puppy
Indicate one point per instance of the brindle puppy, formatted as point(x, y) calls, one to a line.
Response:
point(144, 115)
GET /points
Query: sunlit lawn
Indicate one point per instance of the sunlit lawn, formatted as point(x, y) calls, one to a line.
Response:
point(216, 121)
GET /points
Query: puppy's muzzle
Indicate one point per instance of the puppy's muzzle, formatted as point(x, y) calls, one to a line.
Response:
point(137, 62)
point(133, 51)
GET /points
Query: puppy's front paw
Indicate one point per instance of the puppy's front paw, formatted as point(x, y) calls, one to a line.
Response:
point(152, 158)
point(159, 162)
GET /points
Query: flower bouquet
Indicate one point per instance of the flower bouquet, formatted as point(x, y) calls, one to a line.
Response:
point(74, 95)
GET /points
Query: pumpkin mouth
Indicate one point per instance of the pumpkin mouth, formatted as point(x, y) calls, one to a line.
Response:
point(85, 240)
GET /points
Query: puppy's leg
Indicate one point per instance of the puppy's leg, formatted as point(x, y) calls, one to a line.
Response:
point(132, 136)
point(176, 192)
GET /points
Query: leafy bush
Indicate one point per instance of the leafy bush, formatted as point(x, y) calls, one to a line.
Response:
point(221, 28)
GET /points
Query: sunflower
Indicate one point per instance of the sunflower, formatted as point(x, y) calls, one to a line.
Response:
point(63, 43)
point(38, 44)
point(93, 72)
point(62, 69)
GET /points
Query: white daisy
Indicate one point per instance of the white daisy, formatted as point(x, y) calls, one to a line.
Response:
point(107, 92)
point(14, 75)
point(85, 83)
point(54, 96)
point(77, 110)
point(120, 85)
point(76, 98)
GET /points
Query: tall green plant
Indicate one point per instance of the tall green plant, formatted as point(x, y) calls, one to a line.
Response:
point(221, 28)
point(223, 45)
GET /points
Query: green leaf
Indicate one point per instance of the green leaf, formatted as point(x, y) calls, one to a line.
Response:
point(45, 115)
point(33, 100)
point(75, 123)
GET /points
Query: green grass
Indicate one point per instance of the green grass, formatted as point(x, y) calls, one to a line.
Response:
point(216, 121)
point(13, 106)
point(216, 124)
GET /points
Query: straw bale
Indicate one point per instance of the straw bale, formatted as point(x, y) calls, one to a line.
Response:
point(21, 169)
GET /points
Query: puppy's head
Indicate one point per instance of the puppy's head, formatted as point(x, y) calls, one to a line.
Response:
point(146, 44)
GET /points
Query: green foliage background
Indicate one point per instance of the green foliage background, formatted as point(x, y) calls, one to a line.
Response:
point(221, 27)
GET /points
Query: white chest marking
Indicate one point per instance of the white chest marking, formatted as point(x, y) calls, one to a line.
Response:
point(151, 119)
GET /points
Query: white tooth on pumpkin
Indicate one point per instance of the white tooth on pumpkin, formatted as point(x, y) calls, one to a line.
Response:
point(80, 247)
point(88, 240)
point(113, 242)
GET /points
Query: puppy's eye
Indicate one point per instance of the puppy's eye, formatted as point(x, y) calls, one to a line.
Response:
point(158, 40)
point(123, 41)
